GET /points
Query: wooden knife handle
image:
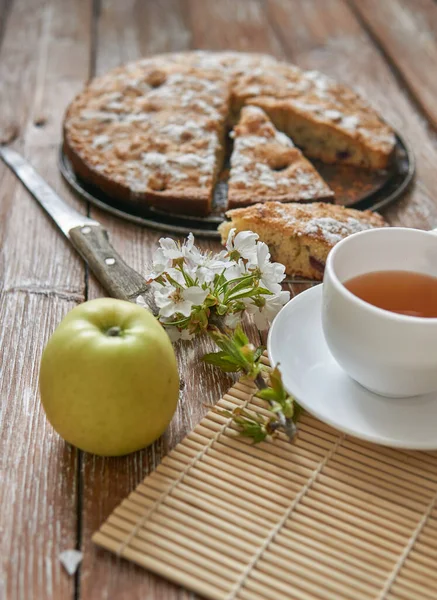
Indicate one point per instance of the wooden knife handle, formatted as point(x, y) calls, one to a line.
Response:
point(120, 280)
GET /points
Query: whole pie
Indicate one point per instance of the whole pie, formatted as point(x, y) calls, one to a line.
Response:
point(154, 132)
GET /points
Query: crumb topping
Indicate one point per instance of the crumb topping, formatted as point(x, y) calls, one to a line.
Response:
point(330, 223)
point(266, 158)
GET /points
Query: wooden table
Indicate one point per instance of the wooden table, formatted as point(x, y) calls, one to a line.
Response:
point(53, 497)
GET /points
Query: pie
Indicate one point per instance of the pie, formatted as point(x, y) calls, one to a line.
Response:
point(265, 165)
point(300, 236)
point(153, 132)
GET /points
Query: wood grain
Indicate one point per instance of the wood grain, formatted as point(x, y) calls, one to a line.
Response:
point(392, 23)
point(231, 25)
point(125, 31)
point(130, 29)
point(38, 470)
point(41, 279)
point(327, 36)
point(201, 385)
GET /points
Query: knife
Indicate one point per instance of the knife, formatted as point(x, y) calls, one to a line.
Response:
point(87, 236)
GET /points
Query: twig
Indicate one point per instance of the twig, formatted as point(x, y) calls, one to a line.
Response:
point(287, 424)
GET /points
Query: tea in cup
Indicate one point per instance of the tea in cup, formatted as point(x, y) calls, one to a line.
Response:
point(379, 310)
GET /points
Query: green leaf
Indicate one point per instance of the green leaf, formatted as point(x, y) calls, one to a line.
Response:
point(210, 301)
point(178, 323)
point(231, 284)
point(256, 433)
point(298, 410)
point(264, 291)
point(222, 309)
point(188, 279)
point(219, 280)
point(258, 353)
point(248, 293)
point(267, 394)
point(222, 360)
point(222, 411)
point(226, 342)
point(174, 282)
point(240, 337)
point(277, 385)
point(244, 283)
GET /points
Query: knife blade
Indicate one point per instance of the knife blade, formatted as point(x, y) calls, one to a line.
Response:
point(87, 236)
point(62, 214)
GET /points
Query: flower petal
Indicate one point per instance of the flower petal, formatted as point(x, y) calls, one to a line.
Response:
point(262, 254)
point(170, 248)
point(245, 244)
point(184, 308)
point(230, 240)
point(232, 320)
point(260, 319)
point(196, 295)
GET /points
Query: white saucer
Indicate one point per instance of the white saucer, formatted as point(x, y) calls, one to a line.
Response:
point(311, 374)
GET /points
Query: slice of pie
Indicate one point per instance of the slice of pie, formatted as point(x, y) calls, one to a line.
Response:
point(300, 235)
point(265, 165)
point(326, 119)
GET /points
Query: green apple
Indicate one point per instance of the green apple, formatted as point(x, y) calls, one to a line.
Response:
point(108, 380)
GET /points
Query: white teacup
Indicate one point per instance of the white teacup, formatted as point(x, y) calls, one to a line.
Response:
point(388, 353)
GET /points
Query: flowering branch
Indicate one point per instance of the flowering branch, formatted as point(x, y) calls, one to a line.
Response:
point(201, 292)
point(237, 354)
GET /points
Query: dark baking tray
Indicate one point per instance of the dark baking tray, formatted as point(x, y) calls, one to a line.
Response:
point(354, 188)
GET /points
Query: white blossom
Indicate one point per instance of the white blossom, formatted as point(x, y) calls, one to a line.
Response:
point(173, 250)
point(232, 320)
point(142, 302)
point(244, 243)
point(271, 274)
point(170, 249)
point(206, 265)
point(176, 334)
point(235, 270)
point(171, 300)
point(183, 276)
point(160, 264)
point(264, 316)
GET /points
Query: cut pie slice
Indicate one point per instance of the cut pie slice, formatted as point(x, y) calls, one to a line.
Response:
point(326, 119)
point(266, 166)
point(300, 236)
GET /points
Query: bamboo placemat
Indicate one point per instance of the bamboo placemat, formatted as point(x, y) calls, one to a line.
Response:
point(326, 517)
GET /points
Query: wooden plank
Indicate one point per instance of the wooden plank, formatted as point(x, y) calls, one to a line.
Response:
point(36, 84)
point(326, 35)
point(19, 51)
point(5, 6)
point(392, 23)
point(38, 482)
point(41, 279)
point(231, 25)
point(126, 32)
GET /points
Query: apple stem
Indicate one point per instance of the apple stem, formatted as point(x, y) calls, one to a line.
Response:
point(113, 331)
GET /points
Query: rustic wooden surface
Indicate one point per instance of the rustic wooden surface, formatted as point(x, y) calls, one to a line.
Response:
point(52, 497)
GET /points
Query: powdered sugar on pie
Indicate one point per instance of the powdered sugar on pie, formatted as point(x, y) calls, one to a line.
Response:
point(153, 131)
point(265, 165)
